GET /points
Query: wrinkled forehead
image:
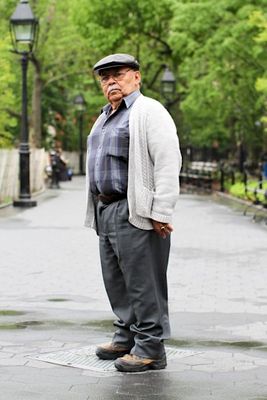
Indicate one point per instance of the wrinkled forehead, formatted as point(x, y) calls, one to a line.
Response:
point(110, 71)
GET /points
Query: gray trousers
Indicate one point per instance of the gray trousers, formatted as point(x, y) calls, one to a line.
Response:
point(134, 265)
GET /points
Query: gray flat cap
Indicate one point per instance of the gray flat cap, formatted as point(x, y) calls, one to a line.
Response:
point(116, 60)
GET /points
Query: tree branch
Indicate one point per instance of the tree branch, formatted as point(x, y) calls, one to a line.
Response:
point(158, 39)
point(36, 63)
point(171, 103)
point(59, 77)
point(13, 113)
point(155, 77)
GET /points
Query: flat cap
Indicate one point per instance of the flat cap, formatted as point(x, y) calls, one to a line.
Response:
point(116, 60)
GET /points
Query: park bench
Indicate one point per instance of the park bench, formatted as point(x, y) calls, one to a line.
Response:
point(199, 173)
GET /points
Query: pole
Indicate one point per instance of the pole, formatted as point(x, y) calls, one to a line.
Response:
point(81, 143)
point(24, 151)
point(222, 176)
point(242, 157)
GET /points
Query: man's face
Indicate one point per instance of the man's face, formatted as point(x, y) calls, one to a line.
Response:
point(119, 82)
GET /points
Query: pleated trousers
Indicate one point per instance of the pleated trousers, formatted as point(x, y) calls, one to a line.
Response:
point(134, 267)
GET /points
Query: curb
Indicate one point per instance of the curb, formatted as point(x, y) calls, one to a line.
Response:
point(35, 194)
point(246, 203)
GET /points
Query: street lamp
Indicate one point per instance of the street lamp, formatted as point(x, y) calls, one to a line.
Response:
point(80, 105)
point(168, 84)
point(23, 30)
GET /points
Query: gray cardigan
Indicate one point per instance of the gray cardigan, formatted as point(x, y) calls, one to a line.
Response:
point(154, 166)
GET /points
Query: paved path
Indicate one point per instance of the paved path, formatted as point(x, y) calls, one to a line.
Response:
point(52, 299)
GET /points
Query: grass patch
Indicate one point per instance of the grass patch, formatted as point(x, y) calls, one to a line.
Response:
point(238, 190)
point(10, 313)
point(19, 325)
point(4, 327)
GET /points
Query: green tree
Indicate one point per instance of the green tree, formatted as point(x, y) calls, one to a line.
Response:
point(8, 121)
point(7, 99)
point(58, 63)
point(220, 63)
point(139, 27)
point(260, 20)
point(56, 69)
point(210, 46)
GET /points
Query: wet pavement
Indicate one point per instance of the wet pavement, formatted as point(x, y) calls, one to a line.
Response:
point(53, 303)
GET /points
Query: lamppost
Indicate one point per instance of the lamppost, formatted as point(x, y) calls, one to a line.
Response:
point(24, 29)
point(80, 105)
point(168, 84)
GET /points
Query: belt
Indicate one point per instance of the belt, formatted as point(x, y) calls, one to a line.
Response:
point(111, 198)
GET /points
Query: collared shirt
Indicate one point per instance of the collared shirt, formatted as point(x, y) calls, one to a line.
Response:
point(109, 149)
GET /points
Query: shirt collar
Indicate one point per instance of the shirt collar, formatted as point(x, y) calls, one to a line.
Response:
point(128, 101)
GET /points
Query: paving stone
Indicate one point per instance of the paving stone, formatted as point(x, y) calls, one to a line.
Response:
point(40, 365)
point(4, 377)
point(197, 360)
point(28, 395)
point(22, 349)
point(5, 355)
point(20, 395)
point(4, 343)
point(48, 344)
point(86, 387)
point(178, 367)
point(15, 361)
point(218, 304)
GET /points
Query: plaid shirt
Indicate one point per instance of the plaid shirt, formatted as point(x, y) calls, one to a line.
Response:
point(109, 149)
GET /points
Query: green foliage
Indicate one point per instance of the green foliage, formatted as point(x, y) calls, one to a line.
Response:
point(139, 27)
point(260, 20)
point(62, 60)
point(7, 98)
point(238, 190)
point(220, 63)
point(216, 49)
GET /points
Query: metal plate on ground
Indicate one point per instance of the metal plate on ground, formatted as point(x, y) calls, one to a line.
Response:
point(85, 358)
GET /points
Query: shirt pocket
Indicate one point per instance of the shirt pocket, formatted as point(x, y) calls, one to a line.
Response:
point(118, 143)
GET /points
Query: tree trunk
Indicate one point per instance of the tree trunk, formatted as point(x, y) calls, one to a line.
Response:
point(36, 117)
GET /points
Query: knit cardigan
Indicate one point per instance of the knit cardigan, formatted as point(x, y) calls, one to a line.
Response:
point(154, 166)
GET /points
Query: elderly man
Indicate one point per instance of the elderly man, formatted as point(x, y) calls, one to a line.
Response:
point(132, 187)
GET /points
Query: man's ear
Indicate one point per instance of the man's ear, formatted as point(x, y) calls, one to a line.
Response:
point(138, 76)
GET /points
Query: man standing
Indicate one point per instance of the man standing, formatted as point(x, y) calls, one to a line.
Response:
point(133, 164)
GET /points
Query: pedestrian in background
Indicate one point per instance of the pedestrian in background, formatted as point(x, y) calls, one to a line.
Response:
point(133, 164)
point(55, 166)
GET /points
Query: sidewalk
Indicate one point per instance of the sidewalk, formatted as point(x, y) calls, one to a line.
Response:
point(53, 304)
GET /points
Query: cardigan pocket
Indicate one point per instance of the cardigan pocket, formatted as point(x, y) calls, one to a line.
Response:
point(144, 201)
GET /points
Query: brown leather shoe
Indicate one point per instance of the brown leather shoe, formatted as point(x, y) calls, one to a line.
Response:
point(133, 363)
point(111, 351)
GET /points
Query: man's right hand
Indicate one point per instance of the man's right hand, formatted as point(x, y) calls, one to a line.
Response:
point(162, 229)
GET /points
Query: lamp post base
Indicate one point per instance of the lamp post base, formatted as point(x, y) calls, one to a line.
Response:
point(24, 203)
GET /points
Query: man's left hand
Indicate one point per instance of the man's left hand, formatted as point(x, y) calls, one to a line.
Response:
point(162, 228)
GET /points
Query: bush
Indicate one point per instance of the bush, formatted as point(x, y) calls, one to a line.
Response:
point(238, 190)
